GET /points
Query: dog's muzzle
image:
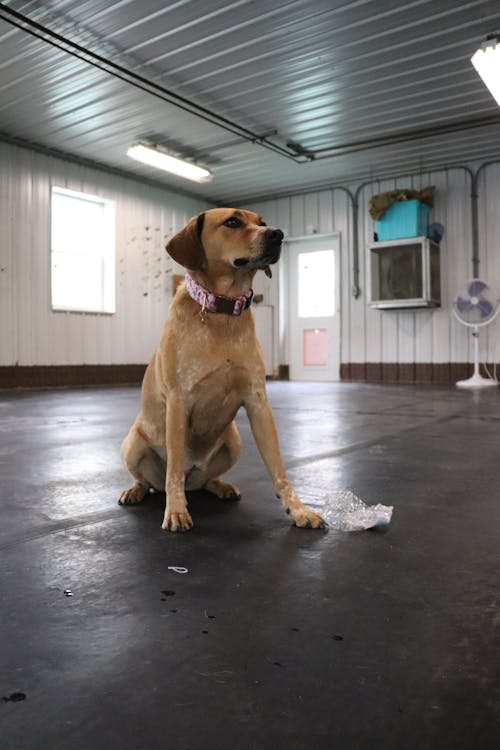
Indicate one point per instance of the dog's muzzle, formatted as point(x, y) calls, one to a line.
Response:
point(272, 245)
point(270, 252)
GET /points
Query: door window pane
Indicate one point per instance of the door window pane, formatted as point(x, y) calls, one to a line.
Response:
point(316, 284)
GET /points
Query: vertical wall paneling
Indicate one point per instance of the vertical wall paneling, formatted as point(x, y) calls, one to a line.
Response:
point(30, 333)
point(456, 257)
point(8, 339)
point(489, 266)
point(407, 338)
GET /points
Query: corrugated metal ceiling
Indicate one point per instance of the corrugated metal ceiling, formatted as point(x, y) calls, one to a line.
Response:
point(252, 89)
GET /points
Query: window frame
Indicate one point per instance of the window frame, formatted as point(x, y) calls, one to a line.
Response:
point(107, 256)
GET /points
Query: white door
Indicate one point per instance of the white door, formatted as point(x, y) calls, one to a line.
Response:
point(314, 307)
point(263, 316)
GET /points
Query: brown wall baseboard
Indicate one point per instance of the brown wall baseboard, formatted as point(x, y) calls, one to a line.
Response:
point(417, 372)
point(57, 376)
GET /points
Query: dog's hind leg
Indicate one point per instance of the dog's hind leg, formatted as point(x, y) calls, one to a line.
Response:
point(223, 459)
point(146, 467)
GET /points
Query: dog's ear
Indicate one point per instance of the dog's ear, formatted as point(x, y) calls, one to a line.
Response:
point(185, 247)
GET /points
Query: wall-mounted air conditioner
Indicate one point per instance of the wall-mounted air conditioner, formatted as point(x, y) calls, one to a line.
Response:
point(405, 274)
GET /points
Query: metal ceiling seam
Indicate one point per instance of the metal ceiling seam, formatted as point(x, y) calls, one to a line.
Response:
point(207, 38)
point(227, 50)
point(327, 66)
point(258, 18)
point(379, 50)
point(331, 112)
point(65, 24)
point(296, 92)
point(320, 15)
point(151, 16)
point(325, 50)
point(305, 103)
point(168, 9)
point(139, 82)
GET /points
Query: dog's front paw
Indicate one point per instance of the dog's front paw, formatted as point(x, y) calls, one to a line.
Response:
point(306, 518)
point(223, 490)
point(134, 495)
point(177, 521)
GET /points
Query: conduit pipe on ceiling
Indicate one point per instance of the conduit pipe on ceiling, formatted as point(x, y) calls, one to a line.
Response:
point(38, 30)
point(292, 151)
point(403, 137)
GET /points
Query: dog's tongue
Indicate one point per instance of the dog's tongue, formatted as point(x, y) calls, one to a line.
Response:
point(268, 272)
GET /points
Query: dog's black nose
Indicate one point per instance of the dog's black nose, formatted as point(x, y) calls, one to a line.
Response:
point(273, 236)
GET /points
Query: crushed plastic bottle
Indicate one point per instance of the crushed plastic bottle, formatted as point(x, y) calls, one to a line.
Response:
point(343, 511)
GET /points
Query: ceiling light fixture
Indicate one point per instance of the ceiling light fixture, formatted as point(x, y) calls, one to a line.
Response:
point(487, 63)
point(155, 158)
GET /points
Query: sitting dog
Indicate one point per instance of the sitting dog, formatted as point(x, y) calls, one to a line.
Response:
point(207, 365)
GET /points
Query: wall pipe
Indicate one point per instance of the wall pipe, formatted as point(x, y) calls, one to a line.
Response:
point(474, 203)
point(356, 289)
point(475, 215)
point(354, 199)
point(474, 194)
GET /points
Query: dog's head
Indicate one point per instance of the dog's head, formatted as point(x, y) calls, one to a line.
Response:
point(227, 237)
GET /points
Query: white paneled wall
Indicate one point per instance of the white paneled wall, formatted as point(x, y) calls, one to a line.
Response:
point(423, 336)
point(30, 333)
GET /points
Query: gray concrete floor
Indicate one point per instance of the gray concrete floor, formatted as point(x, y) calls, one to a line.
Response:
point(276, 637)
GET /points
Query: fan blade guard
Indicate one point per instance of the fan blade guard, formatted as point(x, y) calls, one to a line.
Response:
point(476, 287)
point(463, 305)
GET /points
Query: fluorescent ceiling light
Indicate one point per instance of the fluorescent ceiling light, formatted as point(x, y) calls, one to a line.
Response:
point(160, 160)
point(487, 63)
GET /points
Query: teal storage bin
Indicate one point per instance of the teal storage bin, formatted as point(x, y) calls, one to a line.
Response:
point(401, 220)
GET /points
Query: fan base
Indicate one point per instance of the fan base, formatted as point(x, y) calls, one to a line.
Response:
point(476, 381)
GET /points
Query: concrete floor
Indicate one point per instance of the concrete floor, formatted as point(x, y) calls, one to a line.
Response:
point(276, 637)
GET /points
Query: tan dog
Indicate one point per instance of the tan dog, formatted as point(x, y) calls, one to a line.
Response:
point(207, 365)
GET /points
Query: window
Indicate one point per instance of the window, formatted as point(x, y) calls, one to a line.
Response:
point(83, 252)
point(316, 284)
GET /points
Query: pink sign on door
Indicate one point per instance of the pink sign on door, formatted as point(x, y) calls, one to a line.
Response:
point(315, 347)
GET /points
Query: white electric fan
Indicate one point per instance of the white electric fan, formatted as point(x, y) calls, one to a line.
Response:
point(475, 307)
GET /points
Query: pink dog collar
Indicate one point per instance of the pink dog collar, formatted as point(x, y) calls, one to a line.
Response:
point(213, 303)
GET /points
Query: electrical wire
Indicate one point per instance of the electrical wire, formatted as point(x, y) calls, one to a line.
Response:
point(35, 29)
point(293, 151)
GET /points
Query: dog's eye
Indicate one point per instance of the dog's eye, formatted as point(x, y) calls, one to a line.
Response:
point(262, 224)
point(233, 222)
